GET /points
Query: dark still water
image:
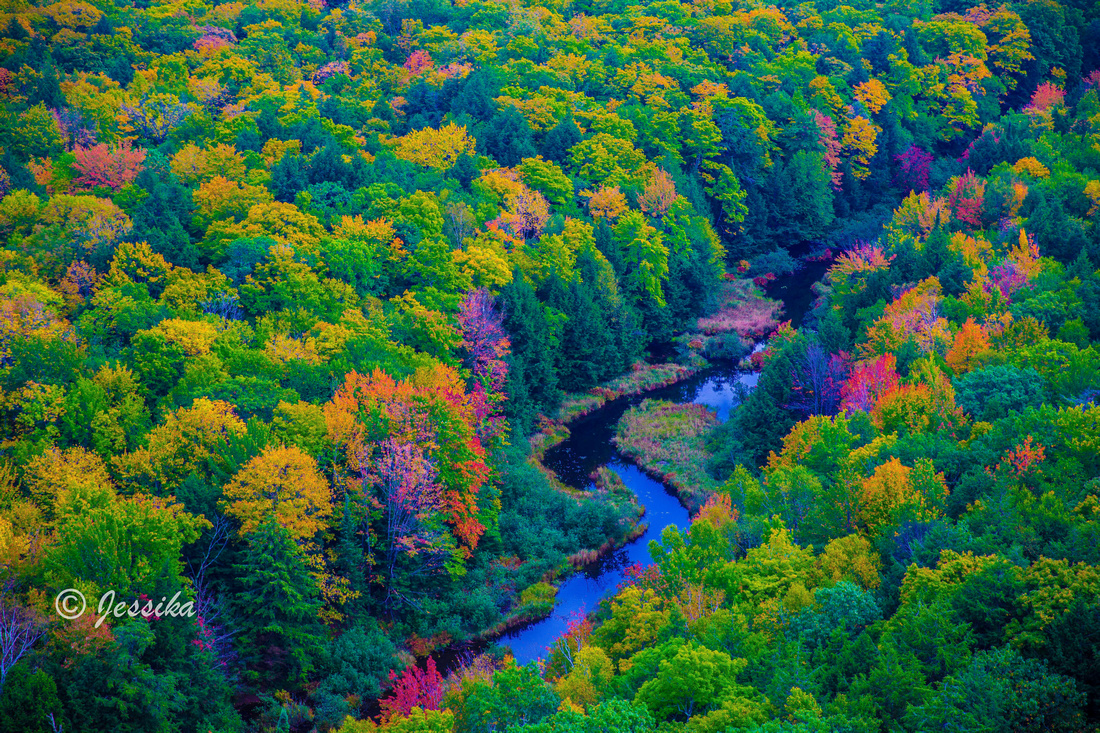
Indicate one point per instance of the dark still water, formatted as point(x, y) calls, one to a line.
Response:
point(796, 290)
point(589, 447)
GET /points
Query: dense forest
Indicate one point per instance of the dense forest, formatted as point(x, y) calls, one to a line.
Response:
point(286, 288)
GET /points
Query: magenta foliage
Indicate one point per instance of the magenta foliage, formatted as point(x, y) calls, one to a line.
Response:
point(329, 70)
point(968, 198)
point(866, 382)
point(418, 61)
point(1008, 278)
point(415, 688)
point(487, 347)
point(215, 31)
point(828, 139)
point(816, 382)
point(913, 167)
point(405, 483)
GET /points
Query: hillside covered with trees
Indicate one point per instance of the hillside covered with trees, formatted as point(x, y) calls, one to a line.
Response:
point(286, 287)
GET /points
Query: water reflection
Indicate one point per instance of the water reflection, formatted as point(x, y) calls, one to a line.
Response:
point(589, 447)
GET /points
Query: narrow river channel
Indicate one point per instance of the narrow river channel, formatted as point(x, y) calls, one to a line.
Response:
point(590, 446)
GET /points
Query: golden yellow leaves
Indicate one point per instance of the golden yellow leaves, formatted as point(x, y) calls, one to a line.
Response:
point(193, 164)
point(275, 149)
point(283, 483)
point(606, 202)
point(68, 482)
point(220, 198)
point(850, 558)
point(896, 492)
point(1092, 191)
point(186, 439)
point(859, 143)
point(23, 315)
point(438, 149)
point(73, 14)
point(872, 94)
point(194, 337)
point(1032, 167)
point(912, 315)
point(970, 341)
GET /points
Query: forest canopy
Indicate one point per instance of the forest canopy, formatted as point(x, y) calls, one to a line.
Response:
point(286, 286)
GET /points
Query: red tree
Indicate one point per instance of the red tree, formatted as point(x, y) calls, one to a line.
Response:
point(406, 485)
point(967, 199)
point(418, 62)
point(1046, 96)
point(100, 165)
point(827, 137)
point(867, 382)
point(415, 688)
point(913, 167)
point(487, 347)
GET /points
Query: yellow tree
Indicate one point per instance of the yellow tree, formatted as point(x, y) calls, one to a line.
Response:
point(970, 341)
point(282, 482)
point(895, 493)
point(872, 94)
point(188, 437)
point(68, 482)
point(606, 203)
point(219, 198)
point(438, 149)
point(193, 164)
point(850, 558)
point(658, 195)
point(859, 143)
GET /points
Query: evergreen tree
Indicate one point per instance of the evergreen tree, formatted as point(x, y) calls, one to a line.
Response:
point(559, 139)
point(162, 217)
point(507, 139)
point(278, 606)
point(586, 344)
point(28, 699)
point(532, 376)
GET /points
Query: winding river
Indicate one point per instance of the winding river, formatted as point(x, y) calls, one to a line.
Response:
point(589, 446)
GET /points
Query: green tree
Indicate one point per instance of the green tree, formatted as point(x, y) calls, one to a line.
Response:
point(692, 682)
point(532, 374)
point(611, 716)
point(1000, 690)
point(516, 697)
point(28, 701)
point(278, 606)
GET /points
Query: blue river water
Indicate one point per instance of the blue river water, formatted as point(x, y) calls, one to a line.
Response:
point(590, 446)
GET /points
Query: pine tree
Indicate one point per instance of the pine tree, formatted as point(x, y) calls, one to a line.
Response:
point(586, 343)
point(278, 606)
point(561, 137)
point(508, 138)
point(532, 376)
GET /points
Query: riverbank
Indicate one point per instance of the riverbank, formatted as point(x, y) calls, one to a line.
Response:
point(666, 440)
point(640, 379)
point(745, 318)
point(608, 486)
